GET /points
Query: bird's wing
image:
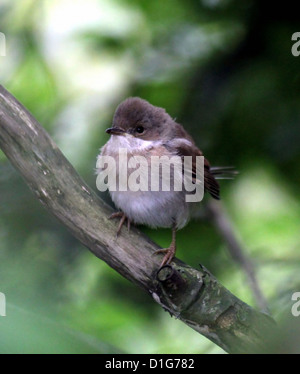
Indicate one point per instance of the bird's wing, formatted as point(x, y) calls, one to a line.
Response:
point(186, 148)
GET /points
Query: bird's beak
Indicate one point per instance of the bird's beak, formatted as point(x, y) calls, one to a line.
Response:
point(115, 131)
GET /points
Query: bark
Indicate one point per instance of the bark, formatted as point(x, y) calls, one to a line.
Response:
point(193, 296)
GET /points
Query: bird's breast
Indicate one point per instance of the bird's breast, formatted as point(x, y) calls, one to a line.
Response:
point(141, 184)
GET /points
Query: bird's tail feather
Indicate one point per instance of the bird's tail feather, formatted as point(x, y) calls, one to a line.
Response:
point(223, 172)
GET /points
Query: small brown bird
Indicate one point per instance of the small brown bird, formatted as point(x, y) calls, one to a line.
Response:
point(142, 129)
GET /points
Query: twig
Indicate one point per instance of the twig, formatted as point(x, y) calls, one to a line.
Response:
point(221, 221)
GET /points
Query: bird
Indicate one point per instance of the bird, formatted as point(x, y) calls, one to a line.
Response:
point(145, 130)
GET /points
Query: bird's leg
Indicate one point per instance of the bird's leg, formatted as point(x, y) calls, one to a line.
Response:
point(169, 252)
point(122, 220)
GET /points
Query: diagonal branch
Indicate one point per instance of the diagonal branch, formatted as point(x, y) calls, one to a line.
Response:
point(193, 296)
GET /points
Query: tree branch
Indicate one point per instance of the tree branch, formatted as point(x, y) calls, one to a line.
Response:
point(193, 296)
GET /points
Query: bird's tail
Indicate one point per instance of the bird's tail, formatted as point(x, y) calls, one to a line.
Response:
point(223, 172)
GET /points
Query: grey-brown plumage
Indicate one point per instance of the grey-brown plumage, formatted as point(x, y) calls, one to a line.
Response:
point(146, 130)
point(158, 124)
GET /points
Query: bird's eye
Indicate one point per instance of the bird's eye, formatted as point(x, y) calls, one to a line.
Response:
point(139, 129)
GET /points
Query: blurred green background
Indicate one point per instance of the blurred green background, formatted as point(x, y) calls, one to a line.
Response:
point(225, 70)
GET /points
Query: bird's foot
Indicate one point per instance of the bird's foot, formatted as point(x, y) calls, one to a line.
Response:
point(122, 217)
point(169, 254)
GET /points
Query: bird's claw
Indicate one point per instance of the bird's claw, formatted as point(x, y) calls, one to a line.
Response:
point(122, 220)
